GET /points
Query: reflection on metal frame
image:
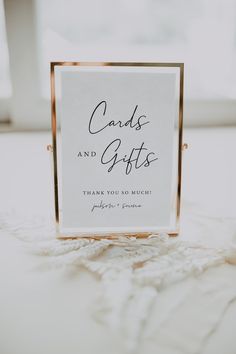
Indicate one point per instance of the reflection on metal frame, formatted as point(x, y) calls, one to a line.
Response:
point(53, 148)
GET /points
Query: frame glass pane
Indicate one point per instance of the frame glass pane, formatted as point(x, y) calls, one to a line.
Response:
point(117, 154)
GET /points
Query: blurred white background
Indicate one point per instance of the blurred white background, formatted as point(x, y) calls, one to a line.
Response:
point(202, 34)
point(50, 312)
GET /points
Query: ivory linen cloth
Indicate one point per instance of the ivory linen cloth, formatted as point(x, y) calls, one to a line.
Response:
point(56, 305)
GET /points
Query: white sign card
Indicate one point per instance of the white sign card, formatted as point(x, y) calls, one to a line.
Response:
point(117, 154)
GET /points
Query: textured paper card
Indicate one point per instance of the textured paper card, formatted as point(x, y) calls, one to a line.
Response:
point(117, 148)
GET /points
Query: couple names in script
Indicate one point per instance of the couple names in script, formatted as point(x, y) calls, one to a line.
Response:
point(138, 156)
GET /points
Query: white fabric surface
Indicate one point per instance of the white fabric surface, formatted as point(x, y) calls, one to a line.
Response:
point(48, 310)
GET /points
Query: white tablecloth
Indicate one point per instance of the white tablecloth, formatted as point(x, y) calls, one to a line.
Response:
point(46, 311)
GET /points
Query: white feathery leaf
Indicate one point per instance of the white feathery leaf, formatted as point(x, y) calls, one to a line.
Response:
point(132, 271)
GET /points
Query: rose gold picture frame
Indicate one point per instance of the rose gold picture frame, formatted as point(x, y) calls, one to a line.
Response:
point(54, 150)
